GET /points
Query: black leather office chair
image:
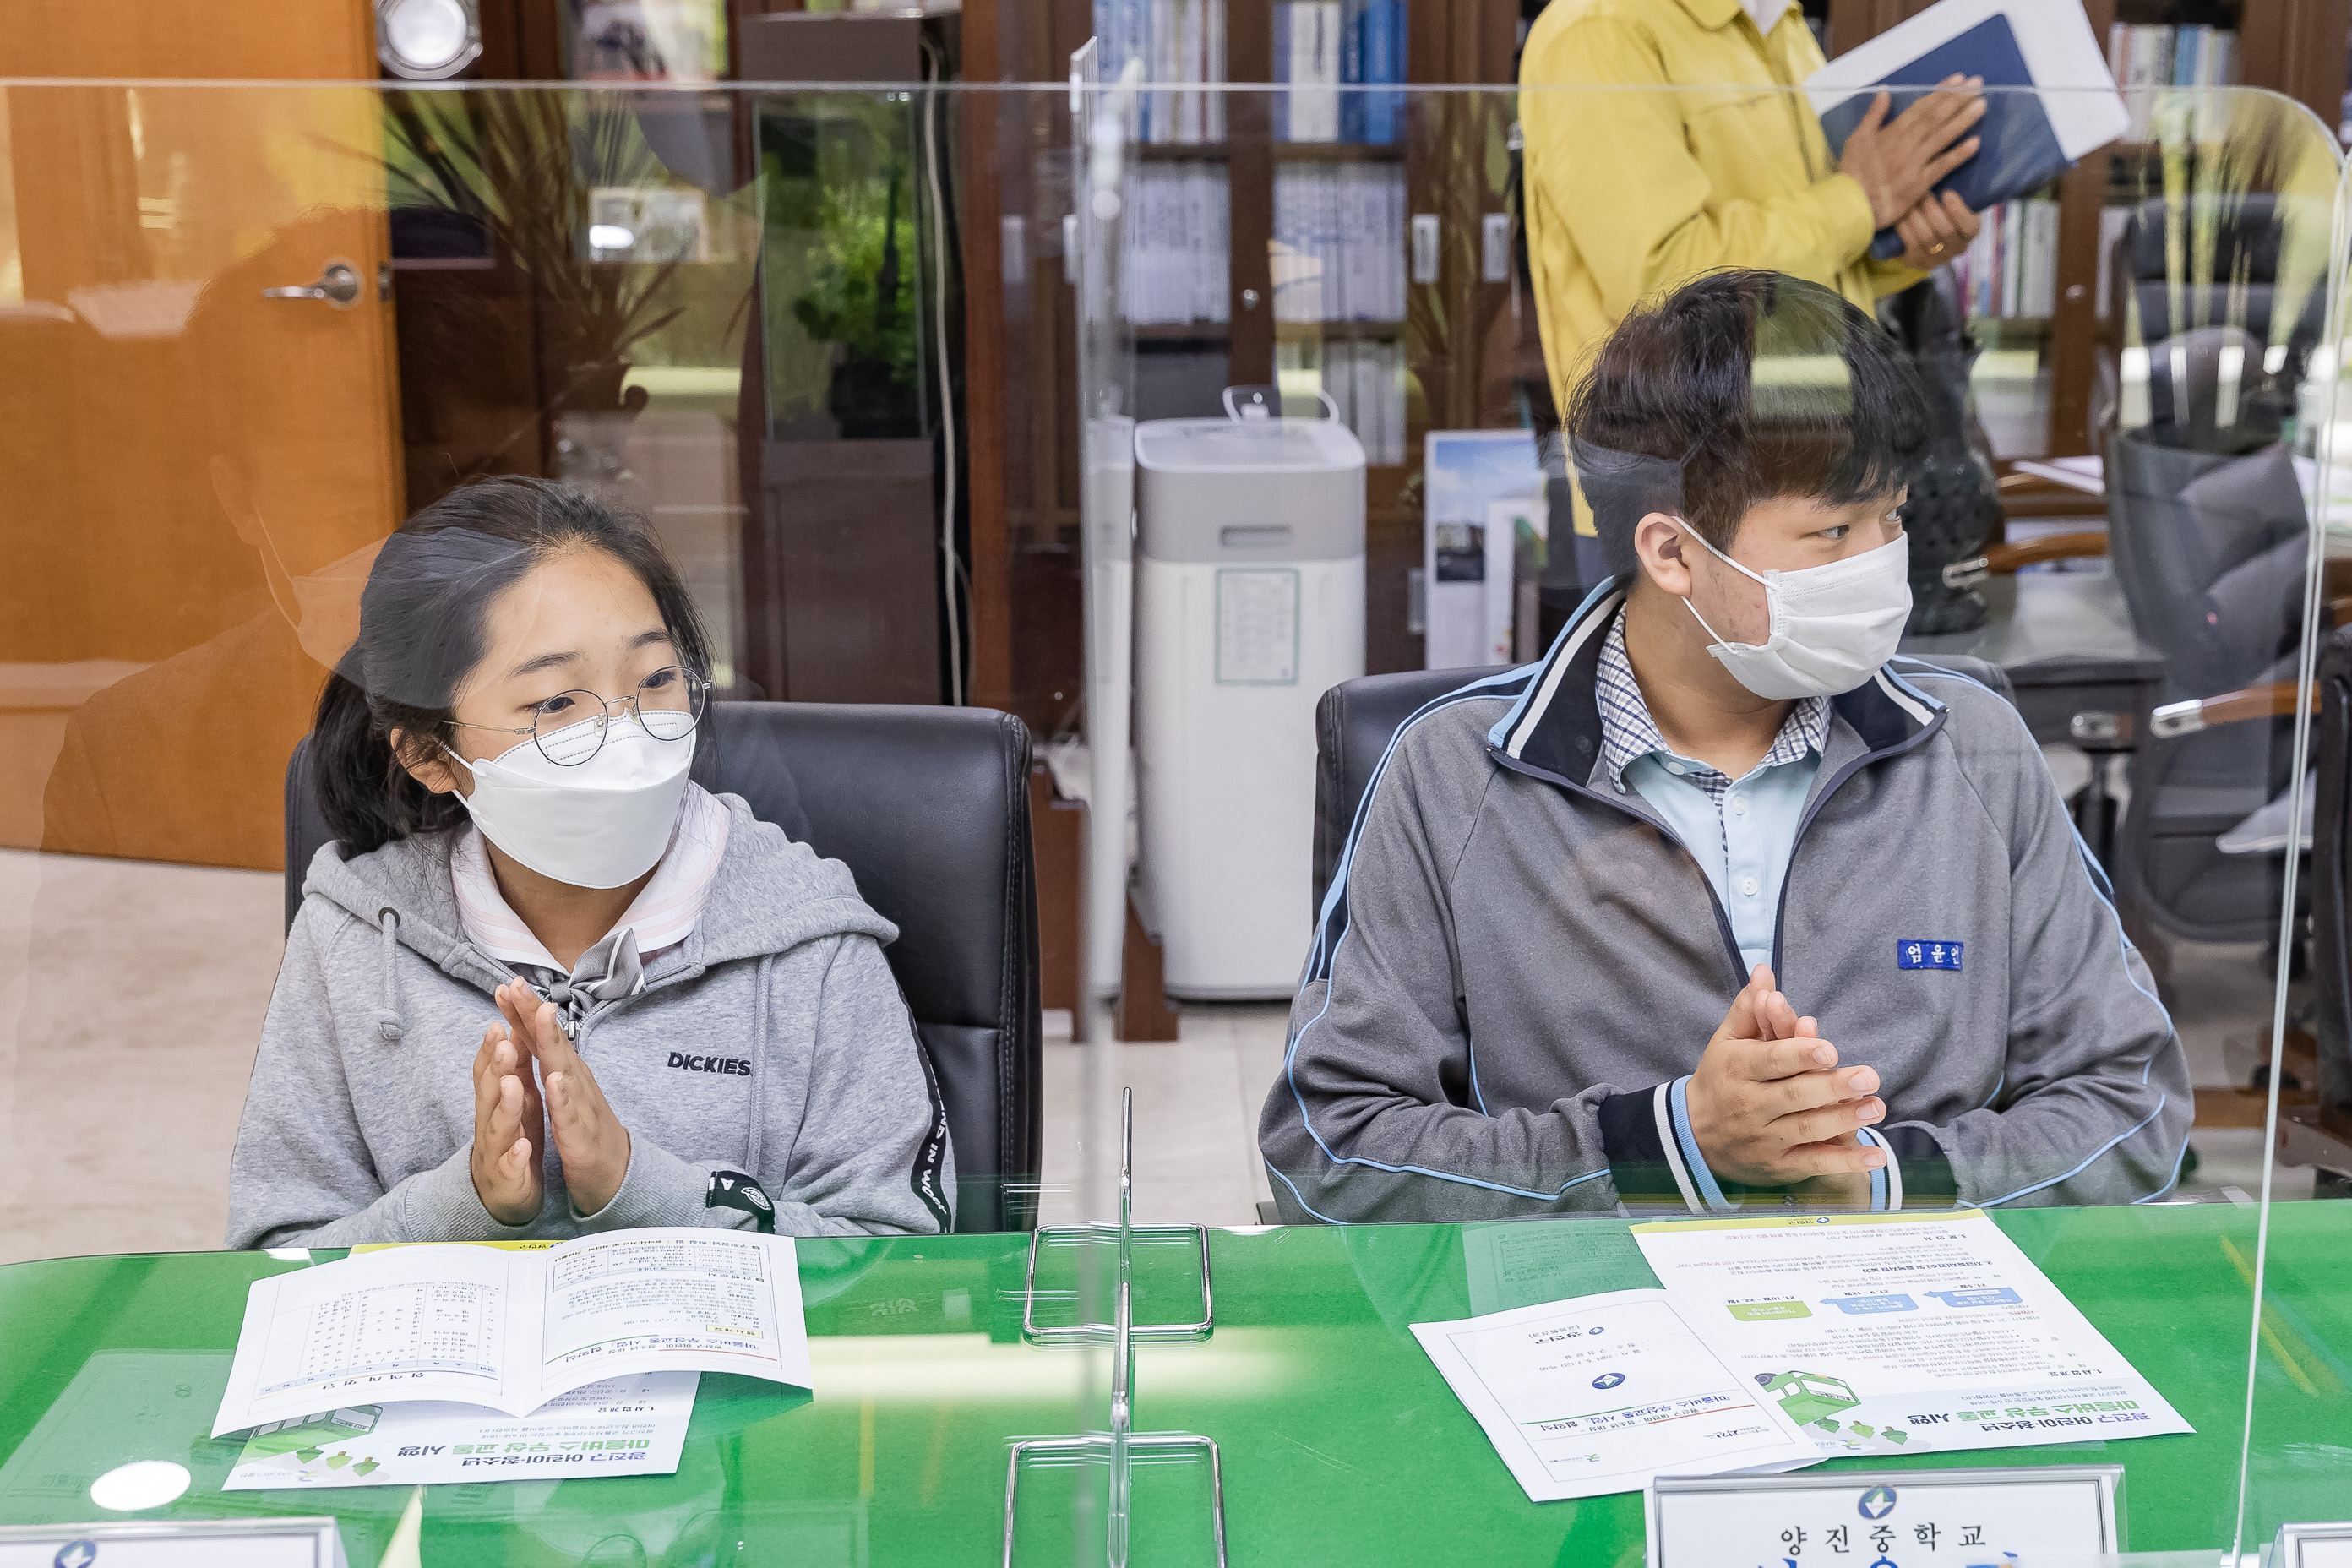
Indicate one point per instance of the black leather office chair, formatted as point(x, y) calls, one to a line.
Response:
point(929, 809)
point(2209, 548)
point(1355, 721)
point(2206, 534)
point(2319, 1133)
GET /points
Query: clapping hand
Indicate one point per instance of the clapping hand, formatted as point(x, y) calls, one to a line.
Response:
point(508, 1126)
point(589, 1139)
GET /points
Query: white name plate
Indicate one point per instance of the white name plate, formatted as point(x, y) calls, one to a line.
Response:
point(174, 1544)
point(2059, 1516)
point(2313, 1546)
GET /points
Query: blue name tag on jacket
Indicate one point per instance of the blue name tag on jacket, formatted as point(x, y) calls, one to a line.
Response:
point(1913, 953)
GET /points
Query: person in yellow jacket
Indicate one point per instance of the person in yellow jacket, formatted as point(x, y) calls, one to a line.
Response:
point(1703, 158)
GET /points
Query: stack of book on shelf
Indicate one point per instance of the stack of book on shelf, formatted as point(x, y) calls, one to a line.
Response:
point(1176, 245)
point(1320, 45)
point(2147, 58)
point(2010, 272)
point(1182, 44)
point(1367, 380)
point(1339, 242)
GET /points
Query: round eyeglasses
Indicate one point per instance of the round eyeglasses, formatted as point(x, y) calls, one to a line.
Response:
point(570, 727)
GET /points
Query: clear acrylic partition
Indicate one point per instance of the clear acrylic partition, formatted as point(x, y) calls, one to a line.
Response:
point(876, 365)
point(248, 329)
point(2298, 1085)
point(1348, 461)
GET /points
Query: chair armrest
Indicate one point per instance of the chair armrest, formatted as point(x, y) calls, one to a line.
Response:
point(2274, 699)
point(2004, 560)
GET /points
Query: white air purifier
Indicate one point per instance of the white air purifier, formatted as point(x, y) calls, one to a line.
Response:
point(1249, 605)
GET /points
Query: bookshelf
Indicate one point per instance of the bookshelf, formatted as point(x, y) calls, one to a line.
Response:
point(2297, 48)
point(1026, 647)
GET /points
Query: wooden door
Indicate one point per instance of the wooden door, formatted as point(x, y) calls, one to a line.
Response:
point(197, 471)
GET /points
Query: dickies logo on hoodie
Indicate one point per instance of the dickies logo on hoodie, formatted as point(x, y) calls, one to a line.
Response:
point(684, 1063)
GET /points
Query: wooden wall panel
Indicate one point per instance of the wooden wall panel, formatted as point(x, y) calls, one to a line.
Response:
point(181, 449)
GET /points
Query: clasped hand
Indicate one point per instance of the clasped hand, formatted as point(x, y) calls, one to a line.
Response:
point(511, 1117)
point(1771, 1107)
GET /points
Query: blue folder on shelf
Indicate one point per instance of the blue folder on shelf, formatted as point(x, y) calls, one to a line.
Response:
point(2019, 149)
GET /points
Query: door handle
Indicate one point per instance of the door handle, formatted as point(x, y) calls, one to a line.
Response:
point(338, 285)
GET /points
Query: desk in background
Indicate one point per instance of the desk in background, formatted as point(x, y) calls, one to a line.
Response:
point(1340, 1442)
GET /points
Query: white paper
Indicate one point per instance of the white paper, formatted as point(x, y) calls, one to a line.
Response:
point(512, 1327)
point(2055, 39)
point(622, 1426)
point(1257, 625)
point(1898, 1334)
point(1599, 1393)
point(2086, 473)
point(2058, 1515)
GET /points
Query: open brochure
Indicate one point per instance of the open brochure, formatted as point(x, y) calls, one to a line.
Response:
point(1599, 1393)
point(1778, 1343)
point(1883, 1333)
point(621, 1426)
point(512, 1330)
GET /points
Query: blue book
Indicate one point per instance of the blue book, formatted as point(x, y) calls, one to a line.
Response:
point(1384, 63)
point(2018, 150)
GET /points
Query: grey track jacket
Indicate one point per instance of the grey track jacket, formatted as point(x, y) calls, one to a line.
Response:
point(1517, 967)
point(771, 1043)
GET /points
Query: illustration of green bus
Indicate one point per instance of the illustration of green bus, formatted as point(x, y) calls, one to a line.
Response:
point(1810, 1398)
point(307, 1435)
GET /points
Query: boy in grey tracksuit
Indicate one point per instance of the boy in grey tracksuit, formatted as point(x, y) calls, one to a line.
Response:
point(772, 1043)
point(1522, 974)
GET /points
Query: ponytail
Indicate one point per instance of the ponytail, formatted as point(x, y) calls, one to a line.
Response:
point(366, 796)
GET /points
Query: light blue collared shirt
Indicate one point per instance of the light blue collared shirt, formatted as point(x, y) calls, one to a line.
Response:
point(1740, 831)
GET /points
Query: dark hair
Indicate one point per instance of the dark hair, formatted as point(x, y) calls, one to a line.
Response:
point(421, 634)
point(1740, 387)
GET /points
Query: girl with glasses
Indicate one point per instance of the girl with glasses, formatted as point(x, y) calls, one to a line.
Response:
point(543, 984)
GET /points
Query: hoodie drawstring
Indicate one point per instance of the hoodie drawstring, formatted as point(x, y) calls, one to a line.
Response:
point(760, 1078)
point(387, 1018)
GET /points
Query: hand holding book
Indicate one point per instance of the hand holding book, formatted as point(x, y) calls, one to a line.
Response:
point(1938, 231)
point(1898, 160)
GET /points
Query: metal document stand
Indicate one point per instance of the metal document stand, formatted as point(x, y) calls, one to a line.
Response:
point(1123, 1333)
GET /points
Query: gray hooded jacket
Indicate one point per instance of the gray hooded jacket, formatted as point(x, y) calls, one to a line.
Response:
point(773, 1044)
point(1517, 967)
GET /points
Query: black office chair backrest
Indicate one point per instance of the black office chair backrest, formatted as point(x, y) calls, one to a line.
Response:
point(928, 808)
point(2196, 269)
point(2331, 883)
point(1356, 719)
point(2209, 549)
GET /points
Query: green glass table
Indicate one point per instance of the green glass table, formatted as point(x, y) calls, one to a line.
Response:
point(1340, 1442)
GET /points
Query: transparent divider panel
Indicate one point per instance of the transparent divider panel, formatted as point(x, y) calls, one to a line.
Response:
point(1417, 717)
point(1151, 416)
point(2294, 1091)
point(815, 346)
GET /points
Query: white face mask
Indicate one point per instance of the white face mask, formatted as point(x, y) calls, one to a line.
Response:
point(1831, 626)
point(603, 823)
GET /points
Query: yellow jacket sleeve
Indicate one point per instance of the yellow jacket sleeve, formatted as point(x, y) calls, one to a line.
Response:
point(1614, 168)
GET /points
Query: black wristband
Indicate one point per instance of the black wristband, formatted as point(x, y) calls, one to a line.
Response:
point(734, 1189)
